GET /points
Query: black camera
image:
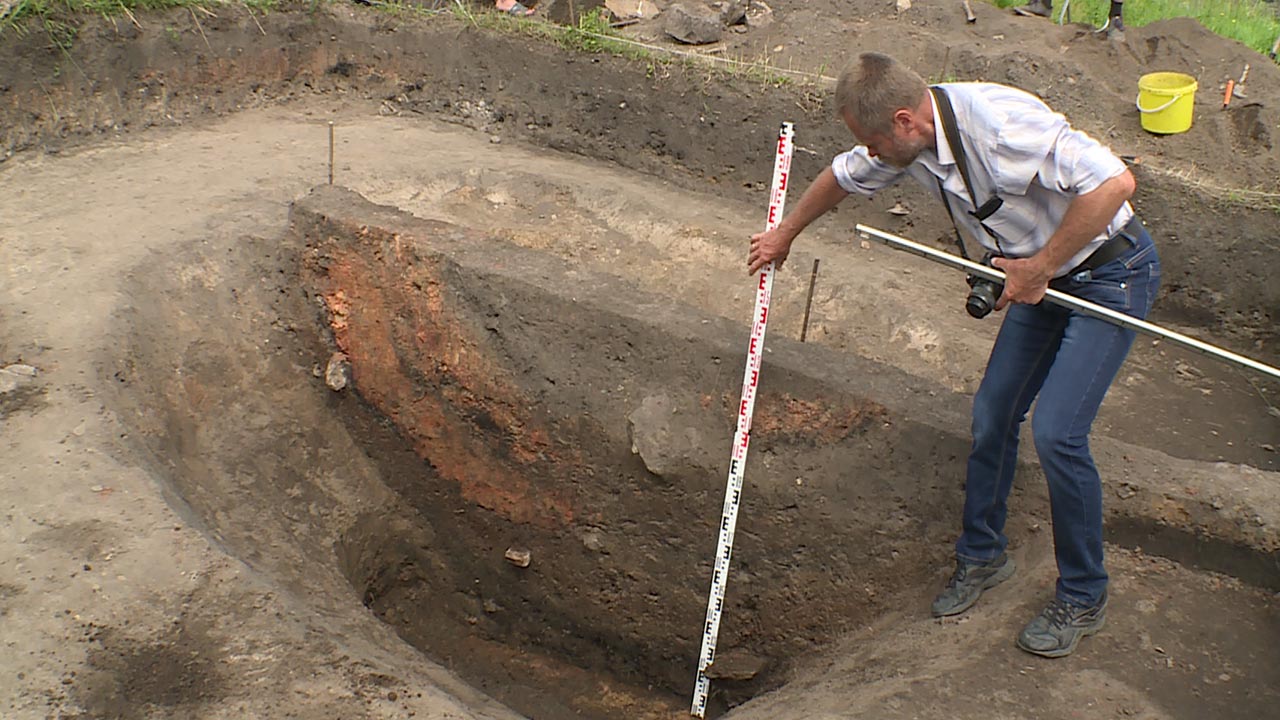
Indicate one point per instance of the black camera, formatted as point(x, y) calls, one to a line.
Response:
point(983, 293)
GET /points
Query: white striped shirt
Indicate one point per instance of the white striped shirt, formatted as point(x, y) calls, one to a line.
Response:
point(1017, 148)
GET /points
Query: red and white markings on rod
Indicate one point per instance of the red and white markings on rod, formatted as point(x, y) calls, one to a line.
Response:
point(738, 460)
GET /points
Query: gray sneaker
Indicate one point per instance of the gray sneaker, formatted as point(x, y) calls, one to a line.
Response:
point(968, 582)
point(1057, 630)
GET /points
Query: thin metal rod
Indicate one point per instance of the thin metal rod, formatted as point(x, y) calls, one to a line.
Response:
point(330, 152)
point(813, 278)
point(1070, 302)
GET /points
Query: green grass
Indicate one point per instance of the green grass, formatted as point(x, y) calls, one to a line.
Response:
point(591, 34)
point(60, 19)
point(108, 8)
point(1253, 22)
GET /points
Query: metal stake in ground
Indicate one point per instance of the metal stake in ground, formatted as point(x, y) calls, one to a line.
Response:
point(738, 458)
point(330, 152)
point(808, 303)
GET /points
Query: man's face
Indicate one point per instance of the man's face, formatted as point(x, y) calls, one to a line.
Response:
point(900, 147)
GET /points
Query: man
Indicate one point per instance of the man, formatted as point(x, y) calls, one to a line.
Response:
point(1063, 220)
point(1114, 27)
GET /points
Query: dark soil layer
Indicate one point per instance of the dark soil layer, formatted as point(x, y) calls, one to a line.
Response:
point(587, 426)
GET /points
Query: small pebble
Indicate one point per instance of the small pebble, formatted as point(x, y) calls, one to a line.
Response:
point(519, 557)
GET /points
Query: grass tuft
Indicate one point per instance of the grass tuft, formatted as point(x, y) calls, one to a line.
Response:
point(1255, 23)
point(60, 18)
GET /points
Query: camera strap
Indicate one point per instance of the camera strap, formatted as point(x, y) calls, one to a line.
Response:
point(947, 117)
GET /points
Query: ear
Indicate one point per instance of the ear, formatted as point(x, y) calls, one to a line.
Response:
point(904, 119)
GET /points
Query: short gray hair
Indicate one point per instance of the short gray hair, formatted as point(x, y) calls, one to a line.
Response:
point(875, 86)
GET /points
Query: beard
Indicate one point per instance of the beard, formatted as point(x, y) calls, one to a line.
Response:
point(905, 153)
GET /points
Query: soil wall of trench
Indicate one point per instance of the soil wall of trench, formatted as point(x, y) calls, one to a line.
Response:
point(585, 421)
point(686, 125)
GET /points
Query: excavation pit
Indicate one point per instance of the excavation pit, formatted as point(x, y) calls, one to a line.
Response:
point(561, 413)
point(523, 474)
point(542, 353)
point(500, 399)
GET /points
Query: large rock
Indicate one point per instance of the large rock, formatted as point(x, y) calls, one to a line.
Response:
point(668, 437)
point(736, 664)
point(692, 23)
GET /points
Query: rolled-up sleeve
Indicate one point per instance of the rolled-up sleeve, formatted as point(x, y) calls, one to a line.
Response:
point(1078, 164)
point(857, 172)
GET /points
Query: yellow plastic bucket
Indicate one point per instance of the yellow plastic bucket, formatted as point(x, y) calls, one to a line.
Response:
point(1165, 100)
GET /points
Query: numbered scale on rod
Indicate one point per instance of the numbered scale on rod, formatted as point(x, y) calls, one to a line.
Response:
point(741, 437)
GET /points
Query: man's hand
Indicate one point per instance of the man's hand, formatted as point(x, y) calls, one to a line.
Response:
point(1025, 280)
point(773, 245)
point(1087, 217)
point(769, 246)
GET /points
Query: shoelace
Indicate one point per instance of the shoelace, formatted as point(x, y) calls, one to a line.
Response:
point(1059, 612)
point(958, 576)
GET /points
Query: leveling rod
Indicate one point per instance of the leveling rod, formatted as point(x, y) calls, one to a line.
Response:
point(742, 436)
point(1070, 302)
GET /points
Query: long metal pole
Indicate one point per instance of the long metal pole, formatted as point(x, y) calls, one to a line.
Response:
point(1070, 301)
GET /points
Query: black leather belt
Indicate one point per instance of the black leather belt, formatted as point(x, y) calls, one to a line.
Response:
point(1122, 242)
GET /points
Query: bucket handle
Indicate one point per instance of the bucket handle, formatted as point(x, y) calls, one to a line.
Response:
point(1165, 106)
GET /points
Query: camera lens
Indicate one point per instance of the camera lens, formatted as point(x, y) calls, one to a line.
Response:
point(982, 298)
point(977, 307)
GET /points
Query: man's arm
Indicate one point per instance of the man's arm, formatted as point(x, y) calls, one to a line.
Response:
point(1027, 279)
point(774, 245)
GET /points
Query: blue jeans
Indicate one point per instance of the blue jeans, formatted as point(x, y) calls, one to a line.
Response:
point(1069, 360)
